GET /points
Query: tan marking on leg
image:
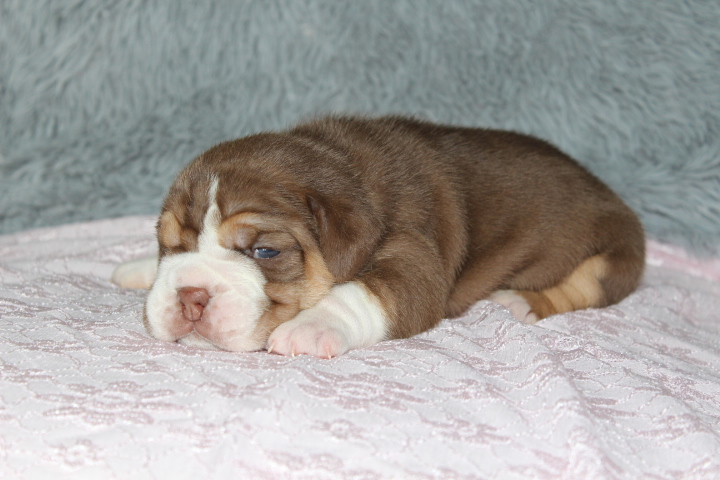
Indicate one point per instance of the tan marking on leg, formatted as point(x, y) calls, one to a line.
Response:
point(274, 316)
point(581, 289)
point(318, 279)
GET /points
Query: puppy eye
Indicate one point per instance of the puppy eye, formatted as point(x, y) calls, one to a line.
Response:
point(265, 253)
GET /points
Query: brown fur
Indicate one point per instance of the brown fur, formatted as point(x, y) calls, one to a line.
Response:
point(430, 218)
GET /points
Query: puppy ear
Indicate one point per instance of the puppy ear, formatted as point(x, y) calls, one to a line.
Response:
point(347, 234)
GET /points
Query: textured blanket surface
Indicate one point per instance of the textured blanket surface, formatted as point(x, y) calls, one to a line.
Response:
point(631, 391)
point(102, 102)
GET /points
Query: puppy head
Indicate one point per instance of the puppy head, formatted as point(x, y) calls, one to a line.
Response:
point(246, 242)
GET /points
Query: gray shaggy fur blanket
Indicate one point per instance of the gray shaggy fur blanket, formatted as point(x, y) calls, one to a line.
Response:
point(101, 103)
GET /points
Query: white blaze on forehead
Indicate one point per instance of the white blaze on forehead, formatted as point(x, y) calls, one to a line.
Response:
point(233, 281)
point(208, 241)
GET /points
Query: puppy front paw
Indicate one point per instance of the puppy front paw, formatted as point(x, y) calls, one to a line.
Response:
point(310, 333)
point(137, 274)
point(348, 317)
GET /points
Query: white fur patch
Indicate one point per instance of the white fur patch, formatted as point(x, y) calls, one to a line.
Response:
point(234, 284)
point(348, 317)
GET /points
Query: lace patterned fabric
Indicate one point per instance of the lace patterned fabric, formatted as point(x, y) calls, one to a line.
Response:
point(631, 391)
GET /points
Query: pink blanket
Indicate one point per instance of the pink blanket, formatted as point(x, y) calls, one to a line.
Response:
point(631, 391)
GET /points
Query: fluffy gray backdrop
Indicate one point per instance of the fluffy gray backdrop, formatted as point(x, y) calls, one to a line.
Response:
point(102, 102)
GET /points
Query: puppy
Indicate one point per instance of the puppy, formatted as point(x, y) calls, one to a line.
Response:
point(345, 231)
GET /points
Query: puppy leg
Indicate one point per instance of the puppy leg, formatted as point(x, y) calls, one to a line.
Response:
point(137, 274)
point(348, 317)
point(593, 283)
point(481, 277)
point(402, 292)
point(413, 281)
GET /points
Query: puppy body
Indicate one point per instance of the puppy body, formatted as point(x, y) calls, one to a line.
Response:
point(346, 231)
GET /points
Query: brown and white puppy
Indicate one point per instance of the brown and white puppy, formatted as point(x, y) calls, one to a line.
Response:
point(343, 232)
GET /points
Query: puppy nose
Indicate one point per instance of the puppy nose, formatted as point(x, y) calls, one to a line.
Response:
point(193, 301)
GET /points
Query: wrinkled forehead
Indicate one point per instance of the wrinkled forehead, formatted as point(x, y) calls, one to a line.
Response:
point(255, 193)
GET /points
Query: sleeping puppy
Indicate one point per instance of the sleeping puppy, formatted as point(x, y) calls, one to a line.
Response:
point(345, 231)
